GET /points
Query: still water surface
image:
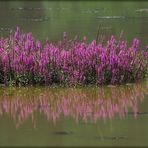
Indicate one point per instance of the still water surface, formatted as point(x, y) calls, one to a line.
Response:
point(106, 116)
point(79, 18)
point(102, 116)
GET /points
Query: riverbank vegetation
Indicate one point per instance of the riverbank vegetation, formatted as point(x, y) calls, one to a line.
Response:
point(26, 61)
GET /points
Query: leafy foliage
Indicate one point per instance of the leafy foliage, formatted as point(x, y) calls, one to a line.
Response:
point(25, 61)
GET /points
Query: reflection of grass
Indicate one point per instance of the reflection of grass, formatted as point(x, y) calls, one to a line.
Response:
point(91, 92)
point(87, 104)
point(25, 61)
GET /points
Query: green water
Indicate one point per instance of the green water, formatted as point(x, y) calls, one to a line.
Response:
point(76, 18)
point(106, 116)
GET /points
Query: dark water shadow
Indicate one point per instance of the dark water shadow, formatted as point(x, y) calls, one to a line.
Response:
point(111, 138)
point(62, 133)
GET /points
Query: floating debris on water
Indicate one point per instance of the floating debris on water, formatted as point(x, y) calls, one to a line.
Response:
point(35, 19)
point(97, 10)
point(129, 83)
point(112, 86)
point(111, 17)
point(36, 8)
point(142, 10)
point(3, 29)
point(27, 8)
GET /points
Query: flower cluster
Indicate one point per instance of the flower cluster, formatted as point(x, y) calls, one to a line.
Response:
point(24, 61)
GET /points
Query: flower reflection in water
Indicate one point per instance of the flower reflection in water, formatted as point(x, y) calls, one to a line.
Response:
point(87, 104)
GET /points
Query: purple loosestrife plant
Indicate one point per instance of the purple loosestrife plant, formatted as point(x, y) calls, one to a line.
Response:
point(26, 61)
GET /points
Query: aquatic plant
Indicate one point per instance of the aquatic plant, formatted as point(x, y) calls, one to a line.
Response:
point(26, 61)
